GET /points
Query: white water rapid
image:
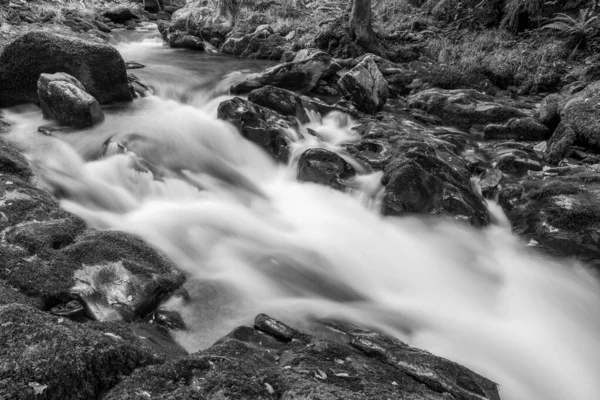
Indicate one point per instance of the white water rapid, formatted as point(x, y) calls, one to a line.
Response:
point(253, 239)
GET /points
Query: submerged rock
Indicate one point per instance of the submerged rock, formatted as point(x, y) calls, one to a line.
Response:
point(299, 76)
point(324, 167)
point(365, 86)
point(64, 99)
point(98, 67)
point(275, 360)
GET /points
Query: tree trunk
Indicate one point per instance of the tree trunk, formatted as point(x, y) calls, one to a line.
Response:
point(361, 29)
point(360, 20)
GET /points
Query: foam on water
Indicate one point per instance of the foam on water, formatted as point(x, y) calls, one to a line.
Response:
point(253, 239)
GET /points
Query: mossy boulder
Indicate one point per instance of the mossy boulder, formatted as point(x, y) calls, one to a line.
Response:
point(582, 114)
point(99, 67)
point(50, 357)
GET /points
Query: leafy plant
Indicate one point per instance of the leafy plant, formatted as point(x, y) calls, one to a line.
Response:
point(580, 28)
point(514, 8)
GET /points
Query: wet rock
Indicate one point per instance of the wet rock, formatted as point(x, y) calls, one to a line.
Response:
point(119, 14)
point(299, 76)
point(358, 365)
point(558, 145)
point(169, 319)
point(291, 104)
point(550, 109)
point(489, 183)
point(274, 328)
point(51, 357)
point(324, 167)
point(422, 184)
point(98, 67)
point(464, 108)
point(137, 87)
point(256, 124)
point(365, 86)
point(184, 40)
point(581, 113)
point(133, 65)
point(514, 160)
point(558, 212)
point(518, 129)
point(119, 276)
point(64, 99)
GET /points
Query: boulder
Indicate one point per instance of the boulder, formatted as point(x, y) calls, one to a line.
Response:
point(64, 99)
point(558, 145)
point(201, 22)
point(261, 44)
point(257, 124)
point(51, 357)
point(365, 86)
point(464, 108)
point(519, 129)
point(274, 360)
point(324, 167)
point(299, 76)
point(120, 13)
point(582, 114)
point(98, 67)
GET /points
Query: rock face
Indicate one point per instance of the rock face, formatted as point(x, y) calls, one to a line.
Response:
point(299, 76)
point(324, 167)
point(49, 357)
point(98, 67)
point(581, 113)
point(64, 99)
point(463, 108)
point(274, 360)
point(365, 86)
point(257, 124)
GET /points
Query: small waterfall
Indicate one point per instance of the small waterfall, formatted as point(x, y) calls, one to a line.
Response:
point(253, 239)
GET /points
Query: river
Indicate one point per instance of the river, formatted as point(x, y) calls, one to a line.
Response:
point(253, 239)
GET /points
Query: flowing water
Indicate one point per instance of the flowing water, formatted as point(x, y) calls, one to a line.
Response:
point(253, 239)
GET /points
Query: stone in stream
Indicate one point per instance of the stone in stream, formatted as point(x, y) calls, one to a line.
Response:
point(298, 76)
point(324, 167)
point(365, 86)
point(99, 67)
point(558, 211)
point(273, 360)
point(51, 357)
point(257, 124)
point(64, 99)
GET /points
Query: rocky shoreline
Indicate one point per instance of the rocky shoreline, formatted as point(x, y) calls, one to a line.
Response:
point(80, 309)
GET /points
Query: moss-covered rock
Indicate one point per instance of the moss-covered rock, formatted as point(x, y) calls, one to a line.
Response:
point(582, 114)
point(273, 360)
point(98, 67)
point(49, 357)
